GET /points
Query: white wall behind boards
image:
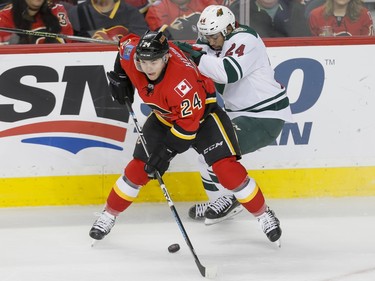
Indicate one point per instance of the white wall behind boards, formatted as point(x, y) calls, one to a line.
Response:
point(56, 117)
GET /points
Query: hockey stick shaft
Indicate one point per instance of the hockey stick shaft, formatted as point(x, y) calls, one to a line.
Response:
point(202, 269)
point(57, 35)
point(145, 8)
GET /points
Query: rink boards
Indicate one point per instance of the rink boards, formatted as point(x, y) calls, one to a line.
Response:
point(64, 141)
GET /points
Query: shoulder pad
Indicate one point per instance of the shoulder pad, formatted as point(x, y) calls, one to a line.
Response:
point(242, 29)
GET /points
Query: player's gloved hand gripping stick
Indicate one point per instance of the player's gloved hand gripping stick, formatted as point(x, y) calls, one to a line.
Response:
point(120, 87)
point(209, 272)
point(159, 161)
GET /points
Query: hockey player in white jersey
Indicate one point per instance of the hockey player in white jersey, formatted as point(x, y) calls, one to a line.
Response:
point(235, 57)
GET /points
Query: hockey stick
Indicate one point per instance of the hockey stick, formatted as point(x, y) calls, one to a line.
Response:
point(57, 35)
point(145, 8)
point(209, 272)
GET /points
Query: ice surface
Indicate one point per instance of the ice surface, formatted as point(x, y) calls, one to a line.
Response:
point(323, 240)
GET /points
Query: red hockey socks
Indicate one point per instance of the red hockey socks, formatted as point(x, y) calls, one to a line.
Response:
point(126, 188)
point(233, 176)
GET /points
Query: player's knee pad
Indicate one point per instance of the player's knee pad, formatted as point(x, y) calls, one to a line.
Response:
point(135, 172)
point(230, 172)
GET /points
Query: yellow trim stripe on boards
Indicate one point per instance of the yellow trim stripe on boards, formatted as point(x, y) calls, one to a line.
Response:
point(186, 186)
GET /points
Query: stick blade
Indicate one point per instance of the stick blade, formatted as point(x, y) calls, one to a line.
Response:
point(208, 272)
point(211, 272)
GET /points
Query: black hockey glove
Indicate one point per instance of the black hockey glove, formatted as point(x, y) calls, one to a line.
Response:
point(194, 53)
point(120, 87)
point(159, 161)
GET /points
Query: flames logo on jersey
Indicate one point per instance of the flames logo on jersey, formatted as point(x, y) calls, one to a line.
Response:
point(113, 33)
point(183, 88)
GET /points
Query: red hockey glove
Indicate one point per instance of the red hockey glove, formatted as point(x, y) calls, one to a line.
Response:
point(120, 87)
point(159, 161)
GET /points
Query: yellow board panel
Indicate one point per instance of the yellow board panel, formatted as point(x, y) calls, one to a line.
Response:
point(93, 189)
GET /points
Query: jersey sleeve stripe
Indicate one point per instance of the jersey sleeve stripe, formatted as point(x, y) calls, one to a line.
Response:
point(233, 69)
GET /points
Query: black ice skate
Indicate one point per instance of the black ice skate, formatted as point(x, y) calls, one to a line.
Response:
point(223, 208)
point(270, 225)
point(197, 211)
point(102, 226)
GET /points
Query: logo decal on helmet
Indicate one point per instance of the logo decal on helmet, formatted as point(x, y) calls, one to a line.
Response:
point(216, 19)
point(127, 51)
point(152, 45)
point(162, 39)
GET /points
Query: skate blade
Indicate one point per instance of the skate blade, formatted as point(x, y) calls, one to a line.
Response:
point(278, 243)
point(93, 242)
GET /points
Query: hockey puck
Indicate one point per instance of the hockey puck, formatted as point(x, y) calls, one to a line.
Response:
point(173, 248)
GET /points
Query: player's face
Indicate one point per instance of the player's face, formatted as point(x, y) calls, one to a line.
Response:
point(216, 41)
point(152, 68)
point(34, 5)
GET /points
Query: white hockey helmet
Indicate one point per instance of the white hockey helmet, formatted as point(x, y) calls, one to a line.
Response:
point(215, 19)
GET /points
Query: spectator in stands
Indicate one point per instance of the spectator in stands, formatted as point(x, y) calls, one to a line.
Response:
point(106, 19)
point(35, 15)
point(341, 18)
point(311, 5)
point(66, 3)
point(276, 18)
point(181, 17)
point(225, 2)
point(298, 26)
point(139, 3)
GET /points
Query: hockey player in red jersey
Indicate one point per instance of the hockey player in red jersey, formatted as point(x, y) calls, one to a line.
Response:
point(35, 15)
point(184, 114)
point(180, 16)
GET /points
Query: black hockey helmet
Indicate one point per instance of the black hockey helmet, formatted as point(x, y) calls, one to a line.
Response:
point(153, 45)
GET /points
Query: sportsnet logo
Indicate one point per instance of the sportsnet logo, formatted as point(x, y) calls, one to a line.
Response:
point(183, 88)
point(83, 116)
point(69, 135)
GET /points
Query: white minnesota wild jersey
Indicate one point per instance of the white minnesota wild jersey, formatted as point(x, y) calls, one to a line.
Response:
point(244, 76)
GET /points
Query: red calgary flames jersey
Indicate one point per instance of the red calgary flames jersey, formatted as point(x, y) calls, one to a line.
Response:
point(180, 98)
point(6, 20)
point(165, 12)
point(341, 26)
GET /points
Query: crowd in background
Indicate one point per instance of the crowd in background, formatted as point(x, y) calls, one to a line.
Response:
point(109, 19)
